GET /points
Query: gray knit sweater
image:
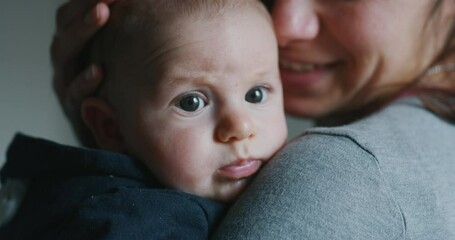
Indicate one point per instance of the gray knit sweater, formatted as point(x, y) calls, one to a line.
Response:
point(388, 176)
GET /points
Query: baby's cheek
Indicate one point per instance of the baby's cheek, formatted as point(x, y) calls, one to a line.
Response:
point(278, 136)
point(195, 184)
point(191, 176)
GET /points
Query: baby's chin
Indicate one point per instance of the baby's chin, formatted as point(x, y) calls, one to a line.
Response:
point(228, 191)
point(225, 191)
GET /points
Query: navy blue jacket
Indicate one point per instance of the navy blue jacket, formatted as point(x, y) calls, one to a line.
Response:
point(77, 193)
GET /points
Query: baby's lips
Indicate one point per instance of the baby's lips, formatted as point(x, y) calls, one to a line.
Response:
point(242, 168)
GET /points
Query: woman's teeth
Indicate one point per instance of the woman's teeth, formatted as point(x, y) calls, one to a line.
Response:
point(298, 67)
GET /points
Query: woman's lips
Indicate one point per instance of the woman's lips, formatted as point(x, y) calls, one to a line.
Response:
point(297, 76)
point(242, 168)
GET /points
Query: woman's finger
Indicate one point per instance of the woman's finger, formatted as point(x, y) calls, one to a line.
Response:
point(86, 83)
point(84, 86)
point(68, 45)
point(74, 10)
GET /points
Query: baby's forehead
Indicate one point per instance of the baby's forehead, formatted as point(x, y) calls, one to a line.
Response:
point(136, 21)
point(145, 16)
point(164, 11)
point(156, 27)
point(148, 32)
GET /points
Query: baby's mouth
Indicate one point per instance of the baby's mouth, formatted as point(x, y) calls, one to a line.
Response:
point(240, 169)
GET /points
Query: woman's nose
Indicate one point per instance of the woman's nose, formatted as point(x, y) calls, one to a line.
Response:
point(235, 126)
point(295, 20)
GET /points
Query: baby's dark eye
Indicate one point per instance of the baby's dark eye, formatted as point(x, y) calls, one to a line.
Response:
point(256, 95)
point(191, 103)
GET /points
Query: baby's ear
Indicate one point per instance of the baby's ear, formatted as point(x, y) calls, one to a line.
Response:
point(101, 120)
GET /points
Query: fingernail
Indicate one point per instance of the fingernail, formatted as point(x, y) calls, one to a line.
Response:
point(90, 74)
point(92, 17)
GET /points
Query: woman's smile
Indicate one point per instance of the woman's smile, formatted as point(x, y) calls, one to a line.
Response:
point(306, 78)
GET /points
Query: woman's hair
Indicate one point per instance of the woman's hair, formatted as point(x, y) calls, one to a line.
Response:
point(436, 86)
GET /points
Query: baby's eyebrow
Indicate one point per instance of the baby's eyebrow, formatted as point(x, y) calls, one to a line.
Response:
point(190, 79)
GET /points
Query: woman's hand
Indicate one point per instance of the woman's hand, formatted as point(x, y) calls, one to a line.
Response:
point(77, 22)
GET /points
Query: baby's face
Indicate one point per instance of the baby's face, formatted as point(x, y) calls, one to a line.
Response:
point(214, 115)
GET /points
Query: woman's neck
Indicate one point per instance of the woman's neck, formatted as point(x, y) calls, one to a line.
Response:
point(350, 116)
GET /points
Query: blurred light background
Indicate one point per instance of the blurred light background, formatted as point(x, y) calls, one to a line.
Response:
point(27, 101)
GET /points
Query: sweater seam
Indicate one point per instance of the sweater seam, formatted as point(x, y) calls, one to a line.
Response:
point(365, 149)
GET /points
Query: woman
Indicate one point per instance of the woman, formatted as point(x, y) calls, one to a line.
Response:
point(379, 75)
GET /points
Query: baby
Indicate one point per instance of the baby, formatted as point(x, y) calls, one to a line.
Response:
point(192, 90)
point(193, 102)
